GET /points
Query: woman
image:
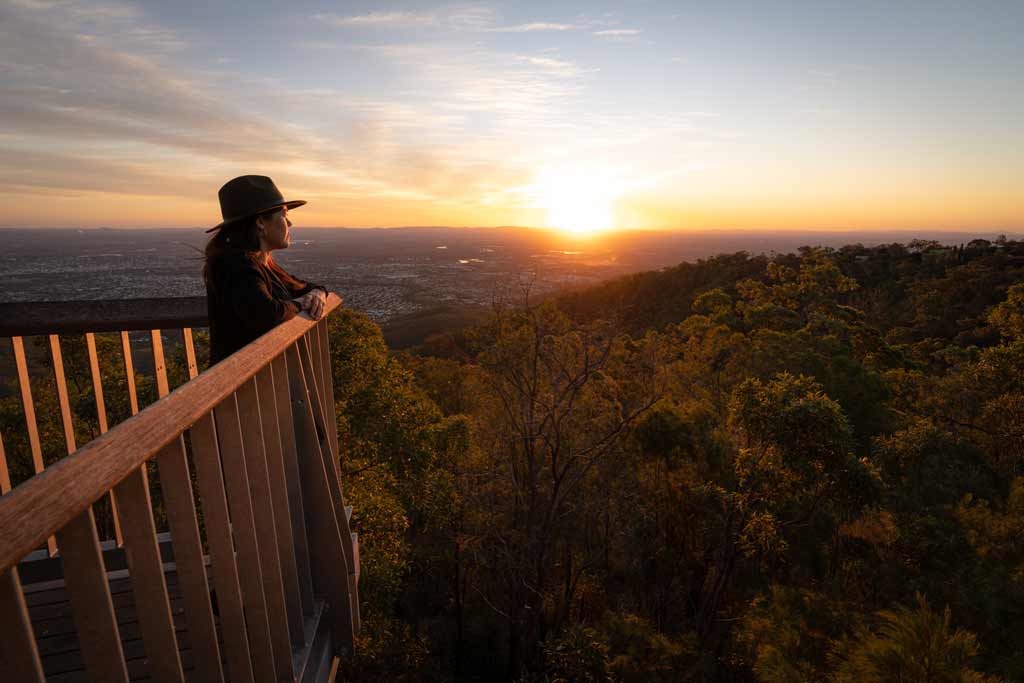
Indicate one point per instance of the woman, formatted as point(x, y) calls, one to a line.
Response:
point(247, 293)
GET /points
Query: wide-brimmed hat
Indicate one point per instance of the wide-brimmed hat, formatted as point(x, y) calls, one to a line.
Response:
point(247, 196)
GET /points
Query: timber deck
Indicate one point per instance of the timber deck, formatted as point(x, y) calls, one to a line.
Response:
point(49, 607)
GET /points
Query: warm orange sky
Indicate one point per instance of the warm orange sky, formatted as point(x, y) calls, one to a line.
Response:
point(574, 115)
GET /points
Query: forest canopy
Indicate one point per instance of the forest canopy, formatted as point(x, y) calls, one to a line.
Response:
point(799, 467)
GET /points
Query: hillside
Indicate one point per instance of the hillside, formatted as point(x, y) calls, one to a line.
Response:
point(803, 467)
point(899, 286)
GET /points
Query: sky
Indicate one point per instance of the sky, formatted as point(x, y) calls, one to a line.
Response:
point(575, 115)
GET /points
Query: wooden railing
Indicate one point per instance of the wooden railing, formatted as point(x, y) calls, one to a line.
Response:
point(259, 431)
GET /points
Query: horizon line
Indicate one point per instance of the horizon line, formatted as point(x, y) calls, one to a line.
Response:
point(1016, 231)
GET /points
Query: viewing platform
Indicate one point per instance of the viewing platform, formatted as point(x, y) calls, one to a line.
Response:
point(240, 566)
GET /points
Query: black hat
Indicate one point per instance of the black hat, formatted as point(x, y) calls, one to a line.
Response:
point(247, 196)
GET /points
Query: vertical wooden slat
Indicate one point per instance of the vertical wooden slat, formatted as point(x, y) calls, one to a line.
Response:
point(279, 503)
point(28, 405)
point(353, 583)
point(62, 394)
point(222, 551)
point(19, 656)
point(159, 366)
point(129, 371)
point(325, 353)
point(190, 352)
point(293, 480)
point(326, 449)
point(313, 342)
point(321, 375)
point(5, 474)
point(97, 381)
point(176, 486)
point(266, 527)
point(236, 479)
point(101, 416)
point(86, 581)
point(152, 604)
point(327, 554)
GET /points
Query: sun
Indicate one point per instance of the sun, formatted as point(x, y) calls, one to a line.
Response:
point(577, 201)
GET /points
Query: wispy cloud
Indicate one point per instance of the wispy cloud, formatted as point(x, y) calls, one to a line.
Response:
point(618, 32)
point(378, 19)
point(535, 26)
point(557, 66)
point(94, 107)
point(90, 120)
point(469, 17)
point(513, 91)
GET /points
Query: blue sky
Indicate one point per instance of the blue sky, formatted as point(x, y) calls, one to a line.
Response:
point(664, 115)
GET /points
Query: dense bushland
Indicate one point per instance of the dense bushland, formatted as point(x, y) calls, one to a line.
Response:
point(804, 467)
point(807, 467)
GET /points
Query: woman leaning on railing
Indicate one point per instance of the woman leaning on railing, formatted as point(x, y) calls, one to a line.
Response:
point(248, 293)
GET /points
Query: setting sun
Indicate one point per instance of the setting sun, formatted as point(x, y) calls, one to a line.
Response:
point(576, 201)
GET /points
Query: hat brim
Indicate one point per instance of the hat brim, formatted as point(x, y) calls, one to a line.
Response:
point(294, 204)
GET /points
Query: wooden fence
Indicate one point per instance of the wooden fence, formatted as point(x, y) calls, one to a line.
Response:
point(270, 527)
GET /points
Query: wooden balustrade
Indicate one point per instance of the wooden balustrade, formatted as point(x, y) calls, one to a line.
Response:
point(266, 523)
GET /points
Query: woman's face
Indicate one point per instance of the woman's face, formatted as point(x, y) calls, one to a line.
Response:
point(273, 230)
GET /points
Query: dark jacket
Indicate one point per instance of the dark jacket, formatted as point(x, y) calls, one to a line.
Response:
point(246, 299)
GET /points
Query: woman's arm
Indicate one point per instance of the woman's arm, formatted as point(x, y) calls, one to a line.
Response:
point(249, 294)
point(309, 297)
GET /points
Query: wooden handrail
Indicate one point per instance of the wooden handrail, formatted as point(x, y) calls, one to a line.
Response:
point(113, 315)
point(45, 503)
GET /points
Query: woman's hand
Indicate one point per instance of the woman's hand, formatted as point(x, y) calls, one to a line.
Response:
point(313, 302)
point(318, 300)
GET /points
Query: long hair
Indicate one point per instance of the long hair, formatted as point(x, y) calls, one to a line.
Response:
point(238, 238)
point(241, 238)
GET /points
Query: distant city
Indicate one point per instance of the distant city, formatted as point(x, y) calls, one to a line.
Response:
point(387, 273)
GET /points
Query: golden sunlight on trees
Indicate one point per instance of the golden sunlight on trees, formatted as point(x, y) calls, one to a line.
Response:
point(914, 645)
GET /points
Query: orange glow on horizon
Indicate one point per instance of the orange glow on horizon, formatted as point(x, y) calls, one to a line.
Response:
point(578, 204)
